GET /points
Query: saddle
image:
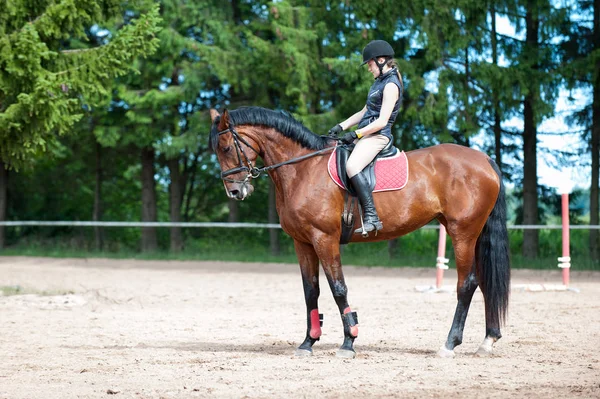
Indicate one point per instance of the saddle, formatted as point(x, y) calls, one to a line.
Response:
point(343, 153)
point(388, 171)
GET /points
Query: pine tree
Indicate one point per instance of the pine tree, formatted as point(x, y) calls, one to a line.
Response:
point(46, 83)
point(494, 82)
point(582, 71)
point(3, 199)
point(43, 84)
point(531, 97)
point(203, 59)
point(536, 62)
point(595, 139)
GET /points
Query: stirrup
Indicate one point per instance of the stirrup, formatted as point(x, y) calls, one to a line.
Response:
point(368, 227)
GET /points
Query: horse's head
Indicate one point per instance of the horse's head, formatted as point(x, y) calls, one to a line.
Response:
point(236, 153)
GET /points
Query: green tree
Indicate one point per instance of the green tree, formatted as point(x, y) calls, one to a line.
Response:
point(595, 138)
point(43, 84)
point(537, 61)
point(495, 83)
point(583, 72)
point(201, 61)
point(46, 81)
point(3, 199)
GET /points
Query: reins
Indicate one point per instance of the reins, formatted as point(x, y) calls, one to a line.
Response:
point(295, 160)
point(253, 171)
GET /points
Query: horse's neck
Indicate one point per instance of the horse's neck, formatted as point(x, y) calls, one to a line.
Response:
point(290, 180)
point(277, 149)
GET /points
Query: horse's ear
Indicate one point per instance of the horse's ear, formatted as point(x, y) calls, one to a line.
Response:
point(214, 114)
point(224, 122)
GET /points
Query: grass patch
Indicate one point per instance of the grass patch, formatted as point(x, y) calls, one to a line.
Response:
point(418, 249)
point(371, 255)
point(11, 290)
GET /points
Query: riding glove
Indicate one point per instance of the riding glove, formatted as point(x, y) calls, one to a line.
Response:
point(333, 132)
point(349, 137)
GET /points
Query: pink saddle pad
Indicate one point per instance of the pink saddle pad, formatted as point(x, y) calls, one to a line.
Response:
point(391, 173)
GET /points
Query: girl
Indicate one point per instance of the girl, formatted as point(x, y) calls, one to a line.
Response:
point(375, 122)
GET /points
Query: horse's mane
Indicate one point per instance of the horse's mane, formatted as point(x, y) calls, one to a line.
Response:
point(281, 121)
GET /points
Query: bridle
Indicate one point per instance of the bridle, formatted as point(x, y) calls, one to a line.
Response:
point(252, 171)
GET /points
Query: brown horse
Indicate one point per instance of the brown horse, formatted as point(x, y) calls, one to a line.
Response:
point(459, 186)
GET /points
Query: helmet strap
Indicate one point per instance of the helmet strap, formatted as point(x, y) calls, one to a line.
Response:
point(381, 65)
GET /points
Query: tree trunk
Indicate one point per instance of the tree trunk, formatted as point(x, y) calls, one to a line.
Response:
point(190, 176)
point(497, 126)
point(497, 135)
point(393, 248)
point(530, 204)
point(149, 241)
point(3, 199)
point(175, 197)
point(234, 211)
point(594, 206)
point(235, 9)
point(273, 218)
point(97, 215)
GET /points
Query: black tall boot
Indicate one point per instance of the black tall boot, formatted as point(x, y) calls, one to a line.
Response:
point(365, 196)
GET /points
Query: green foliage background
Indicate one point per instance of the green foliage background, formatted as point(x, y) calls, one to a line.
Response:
point(87, 80)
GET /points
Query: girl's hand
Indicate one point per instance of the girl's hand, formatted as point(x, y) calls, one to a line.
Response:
point(334, 131)
point(349, 138)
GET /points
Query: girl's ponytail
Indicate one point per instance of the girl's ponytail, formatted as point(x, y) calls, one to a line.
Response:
point(392, 63)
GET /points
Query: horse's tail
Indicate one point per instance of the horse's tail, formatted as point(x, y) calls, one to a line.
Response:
point(493, 261)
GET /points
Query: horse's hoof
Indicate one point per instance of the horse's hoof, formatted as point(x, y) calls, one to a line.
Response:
point(483, 352)
point(486, 348)
point(346, 354)
point(303, 352)
point(445, 352)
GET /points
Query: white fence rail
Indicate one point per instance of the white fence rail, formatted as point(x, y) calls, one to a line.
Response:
point(139, 224)
point(245, 225)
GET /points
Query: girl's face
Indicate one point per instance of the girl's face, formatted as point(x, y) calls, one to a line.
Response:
point(373, 68)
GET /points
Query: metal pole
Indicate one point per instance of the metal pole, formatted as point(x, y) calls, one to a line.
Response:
point(565, 260)
point(441, 260)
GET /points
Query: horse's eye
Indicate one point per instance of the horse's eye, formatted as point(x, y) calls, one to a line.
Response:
point(227, 149)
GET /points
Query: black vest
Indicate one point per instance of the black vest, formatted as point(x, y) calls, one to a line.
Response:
point(375, 100)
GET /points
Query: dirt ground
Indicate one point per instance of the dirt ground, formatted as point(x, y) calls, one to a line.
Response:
point(150, 329)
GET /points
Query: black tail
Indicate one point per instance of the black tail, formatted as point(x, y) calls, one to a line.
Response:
point(493, 259)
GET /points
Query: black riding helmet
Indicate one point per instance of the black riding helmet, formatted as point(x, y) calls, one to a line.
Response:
point(375, 49)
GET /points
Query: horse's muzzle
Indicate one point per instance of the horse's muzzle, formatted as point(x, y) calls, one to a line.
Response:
point(240, 191)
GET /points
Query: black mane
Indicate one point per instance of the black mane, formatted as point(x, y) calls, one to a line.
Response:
point(278, 120)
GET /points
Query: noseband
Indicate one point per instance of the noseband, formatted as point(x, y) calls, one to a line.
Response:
point(252, 171)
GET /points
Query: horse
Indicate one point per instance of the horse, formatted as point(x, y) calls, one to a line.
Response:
point(460, 187)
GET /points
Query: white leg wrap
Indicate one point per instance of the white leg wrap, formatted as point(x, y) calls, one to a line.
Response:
point(445, 352)
point(486, 348)
point(303, 353)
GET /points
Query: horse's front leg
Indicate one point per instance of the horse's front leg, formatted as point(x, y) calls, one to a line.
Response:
point(329, 253)
point(309, 267)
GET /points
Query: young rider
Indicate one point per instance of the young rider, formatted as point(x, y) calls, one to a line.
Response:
point(374, 121)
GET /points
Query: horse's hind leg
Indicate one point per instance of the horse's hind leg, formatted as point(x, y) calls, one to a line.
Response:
point(466, 286)
point(309, 267)
point(492, 334)
point(492, 328)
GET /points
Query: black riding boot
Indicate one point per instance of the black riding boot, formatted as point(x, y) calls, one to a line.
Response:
point(365, 196)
